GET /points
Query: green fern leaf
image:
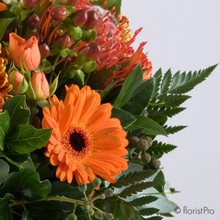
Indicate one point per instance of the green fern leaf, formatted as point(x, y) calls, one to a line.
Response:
point(182, 83)
point(148, 211)
point(155, 218)
point(173, 129)
point(164, 111)
point(158, 148)
point(166, 81)
point(133, 189)
point(143, 200)
point(170, 100)
point(166, 214)
point(133, 177)
point(156, 81)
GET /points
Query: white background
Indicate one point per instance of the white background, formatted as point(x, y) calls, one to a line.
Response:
point(185, 35)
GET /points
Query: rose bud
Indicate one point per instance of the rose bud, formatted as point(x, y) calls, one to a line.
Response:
point(38, 87)
point(24, 53)
point(18, 81)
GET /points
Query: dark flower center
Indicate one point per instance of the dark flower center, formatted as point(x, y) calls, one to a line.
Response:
point(77, 141)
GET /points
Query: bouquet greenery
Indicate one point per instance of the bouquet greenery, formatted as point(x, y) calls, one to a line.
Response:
point(80, 112)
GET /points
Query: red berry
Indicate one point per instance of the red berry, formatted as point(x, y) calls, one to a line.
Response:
point(44, 50)
point(33, 21)
point(29, 4)
point(65, 41)
point(59, 13)
point(92, 50)
point(93, 17)
point(80, 17)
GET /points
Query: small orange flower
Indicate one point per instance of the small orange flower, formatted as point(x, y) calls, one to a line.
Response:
point(24, 53)
point(39, 85)
point(85, 141)
point(3, 6)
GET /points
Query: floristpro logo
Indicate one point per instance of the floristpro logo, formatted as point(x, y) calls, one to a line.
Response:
point(194, 211)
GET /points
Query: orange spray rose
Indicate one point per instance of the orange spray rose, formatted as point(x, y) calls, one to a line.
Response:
point(24, 53)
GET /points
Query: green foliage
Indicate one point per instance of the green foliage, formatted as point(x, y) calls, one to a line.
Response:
point(148, 126)
point(4, 170)
point(125, 117)
point(18, 110)
point(140, 98)
point(5, 211)
point(25, 139)
point(157, 149)
point(4, 24)
point(168, 91)
point(25, 184)
point(130, 85)
point(4, 127)
point(133, 176)
point(173, 129)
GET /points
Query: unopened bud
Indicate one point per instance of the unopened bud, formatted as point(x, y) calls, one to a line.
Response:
point(102, 196)
point(89, 66)
point(18, 81)
point(75, 32)
point(109, 192)
point(142, 144)
point(38, 87)
point(146, 157)
point(155, 164)
point(82, 188)
point(71, 216)
point(96, 182)
point(133, 140)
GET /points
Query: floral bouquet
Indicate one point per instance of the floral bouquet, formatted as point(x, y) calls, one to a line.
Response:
point(80, 112)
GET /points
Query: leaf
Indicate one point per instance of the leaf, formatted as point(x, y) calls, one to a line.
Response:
point(155, 218)
point(140, 98)
point(26, 184)
point(4, 24)
point(54, 85)
point(166, 81)
point(4, 170)
point(156, 84)
point(26, 139)
point(18, 110)
point(143, 200)
point(138, 187)
point(184, 83)
point(4, 127)
point(133, 177)
point(158, 148)
point(149, 126)
point(173, 129)
point(131, 83)
point(168, 90)
point(5, 211)
point(125, 118)
point(149, 211)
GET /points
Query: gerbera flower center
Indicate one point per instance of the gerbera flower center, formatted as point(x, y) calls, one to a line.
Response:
point(77, 141)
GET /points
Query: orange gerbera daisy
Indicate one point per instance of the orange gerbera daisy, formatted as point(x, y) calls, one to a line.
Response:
point(85, 141)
